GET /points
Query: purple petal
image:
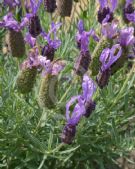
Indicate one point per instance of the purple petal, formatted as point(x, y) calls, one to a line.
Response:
point(108, 56)
point(131, 17)
point(88, 87)
point(30, 40)
point(106, 19)
point(127, 36)
point(46, 64)
point(70, 103)
point(128, 2)
point(110, 30)
point(78, 112)
point(114, 4)
point(93, 35)
point(58, 67)
point(103, 3)
point(80, 26)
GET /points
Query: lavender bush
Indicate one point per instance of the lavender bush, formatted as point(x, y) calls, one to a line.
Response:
point(68, 100)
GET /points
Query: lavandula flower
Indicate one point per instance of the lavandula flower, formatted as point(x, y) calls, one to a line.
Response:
point(126, 40)
point(34, 21)
point(108, 58)
point(50, 5)
point(30, 40)
point(82, 39)
point(48, 87)
point(64, 7)
point(109, 32)
point(12, 3)
point(27, 75)
point(15, 37)
point(129, 12)
point(53, 43)
point(105, 13)
point(84, 107)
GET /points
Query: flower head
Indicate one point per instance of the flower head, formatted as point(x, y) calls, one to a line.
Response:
point(83, 107)
point(89, 88)
point(110, 56)
point(82, 37)
point(12, 3)
point(129, 11)
point(53, 42)
point(32, 60)
point(105, 13)
point(53, 68)
point(10, 23)
point(126, 37)
point(110, 30)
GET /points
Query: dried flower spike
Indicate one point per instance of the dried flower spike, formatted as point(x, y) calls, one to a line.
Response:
point(50, 5)
point(64, 7)
point(16, 43)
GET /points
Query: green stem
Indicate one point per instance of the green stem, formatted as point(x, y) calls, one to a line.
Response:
point(68, 89)
point(44, 113)
point(42, 162)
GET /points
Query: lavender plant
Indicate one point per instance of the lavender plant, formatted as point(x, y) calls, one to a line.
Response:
point(63, 120)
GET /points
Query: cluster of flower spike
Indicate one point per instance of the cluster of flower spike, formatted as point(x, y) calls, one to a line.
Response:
point(113, 48)
point(112, 51)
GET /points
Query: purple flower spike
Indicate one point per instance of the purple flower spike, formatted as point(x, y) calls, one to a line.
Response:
point(83, 107)
point(52, 43)
point(34, 21)
point(82, 37)
point(110, 56)
point(105, 13)
point(10, 23)
point(55, 42)
point(129, 12)
point(89, 88)
point(12, 3)
point(126, 37)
